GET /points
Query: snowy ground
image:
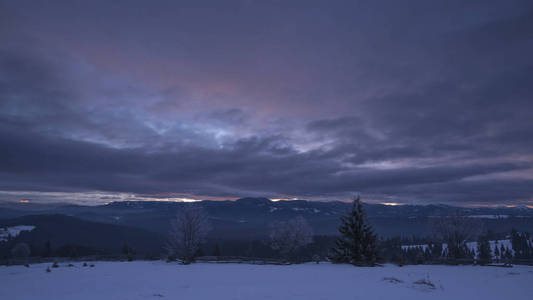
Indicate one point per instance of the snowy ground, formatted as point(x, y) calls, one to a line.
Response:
point(159, 280)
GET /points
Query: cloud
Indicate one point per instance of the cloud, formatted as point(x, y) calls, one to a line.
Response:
point(421, 103)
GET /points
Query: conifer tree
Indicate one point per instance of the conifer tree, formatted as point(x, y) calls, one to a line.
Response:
point(47, 249)
point(521, 244)
point(357, 243)
point(508, 254)
point(216, 252)
point(484, 252)
point(436, 252)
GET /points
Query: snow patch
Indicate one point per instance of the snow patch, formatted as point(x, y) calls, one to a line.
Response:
point(13, 231)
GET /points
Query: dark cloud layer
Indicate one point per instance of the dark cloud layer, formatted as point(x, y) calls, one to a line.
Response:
point(401, 102)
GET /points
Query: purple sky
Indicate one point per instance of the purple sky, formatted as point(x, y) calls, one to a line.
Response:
point(400, 101)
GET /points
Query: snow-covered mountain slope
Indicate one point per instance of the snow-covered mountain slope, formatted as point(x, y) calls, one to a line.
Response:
point(13, 231)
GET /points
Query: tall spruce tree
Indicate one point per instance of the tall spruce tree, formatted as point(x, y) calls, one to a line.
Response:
point(357, 243)
point(484, 253)
point(521, 244)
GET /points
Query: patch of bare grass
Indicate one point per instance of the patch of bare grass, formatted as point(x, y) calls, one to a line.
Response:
point(392, 280)
point(425, 282)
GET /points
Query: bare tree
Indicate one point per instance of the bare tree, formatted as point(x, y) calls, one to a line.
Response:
point(287, 237)
point(21, 250)
point(188, 231)
point(455, 231)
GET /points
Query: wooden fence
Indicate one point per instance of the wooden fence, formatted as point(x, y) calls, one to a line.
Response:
point(241, 260)
point(228, 260)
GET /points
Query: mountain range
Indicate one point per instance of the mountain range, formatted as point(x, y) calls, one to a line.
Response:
point(250, 218)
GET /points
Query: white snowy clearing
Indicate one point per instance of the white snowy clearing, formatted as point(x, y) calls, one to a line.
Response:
point(159, 280)
point(13, 231)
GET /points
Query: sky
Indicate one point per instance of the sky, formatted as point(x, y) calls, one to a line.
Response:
point(411, 102)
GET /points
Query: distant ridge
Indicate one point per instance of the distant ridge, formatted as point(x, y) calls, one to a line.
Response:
point(250, 217)
point(254, 200)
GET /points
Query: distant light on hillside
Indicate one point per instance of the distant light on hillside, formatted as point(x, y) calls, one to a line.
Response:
point(391, 203)
point(187, 200)
point(171, 199)
point(284, 199)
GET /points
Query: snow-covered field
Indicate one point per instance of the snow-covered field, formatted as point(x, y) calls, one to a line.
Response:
point(159, 280)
